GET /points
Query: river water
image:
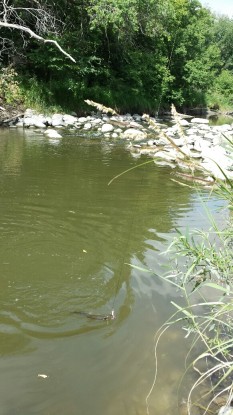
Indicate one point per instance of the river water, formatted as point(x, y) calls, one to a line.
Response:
point(66, 241)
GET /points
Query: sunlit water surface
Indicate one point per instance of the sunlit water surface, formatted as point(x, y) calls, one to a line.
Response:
point(66, 241)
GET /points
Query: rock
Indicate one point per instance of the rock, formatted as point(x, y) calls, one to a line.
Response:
point(87, 126)
point(135, 124)
point(199, 121)
point(69, 119)
point(114, 135)
point(19, 124)
point(192, 131)
point(223, 128)
point(50, 133)
point(184, 123)
point(172, 156)
point(82, 119)
point(107, 128)
point(29, 113)
point(57, 119)
point(151, 143)
point(204, 127)
point(105, 118)
point(96, 121)
point(209, 136)
point(134, 134)
point(28, 121)
point(137, 117)
point(225, 410)
point(39, 124)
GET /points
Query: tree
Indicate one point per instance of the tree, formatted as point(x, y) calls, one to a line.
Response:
point(30, 18)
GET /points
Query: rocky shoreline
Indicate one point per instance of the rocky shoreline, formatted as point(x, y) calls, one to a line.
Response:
point(168, 144)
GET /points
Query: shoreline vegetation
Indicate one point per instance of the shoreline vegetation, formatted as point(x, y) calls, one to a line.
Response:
point(133, 56)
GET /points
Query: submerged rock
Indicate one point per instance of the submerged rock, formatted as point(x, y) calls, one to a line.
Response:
point(51, 133)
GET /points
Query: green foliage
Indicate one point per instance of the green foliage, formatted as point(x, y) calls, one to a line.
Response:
point(221, 93)
point(134, 55)
point(9, 86)
point(223, 37)
point(224, 84)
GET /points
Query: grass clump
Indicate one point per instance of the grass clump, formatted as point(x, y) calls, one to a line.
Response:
point(203, 271)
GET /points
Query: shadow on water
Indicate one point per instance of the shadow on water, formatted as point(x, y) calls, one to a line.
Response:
point(66, 239)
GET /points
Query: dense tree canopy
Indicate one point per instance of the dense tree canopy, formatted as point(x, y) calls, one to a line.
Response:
point(137, 55)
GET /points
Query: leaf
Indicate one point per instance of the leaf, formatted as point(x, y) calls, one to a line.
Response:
point(132, 168)
point(183, 310)
point(216, 286)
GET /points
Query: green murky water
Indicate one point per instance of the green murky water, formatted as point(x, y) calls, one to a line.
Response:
point(65, 239)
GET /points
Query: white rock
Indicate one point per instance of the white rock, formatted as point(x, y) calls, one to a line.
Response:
point(209, 136)
point(39, 124)
point(29, 112)
point(199, 121)
point(87, 126)
point(192, 131)
point(204, 127)
point(69, 119)
point(96, 121)
point(82, 119)
point(19, 124)
point(224, 128)
point(57, 119)
point(171, 156)
point(114, 135)
point(151, 143)
point(50, 133)
point(106, 118)
point(204, 146)
point(184, 123)
point(135, 124)
point(137, 117)
point(179, 142)
point(28, 121)
point(107, 128)
point(48, 120)
point(134, 134)
point(225, 410)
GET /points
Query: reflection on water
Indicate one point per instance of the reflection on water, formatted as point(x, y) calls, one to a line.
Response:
point(66, 239)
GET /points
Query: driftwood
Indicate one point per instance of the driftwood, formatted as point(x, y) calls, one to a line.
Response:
point(100, 107)
point(12, 118)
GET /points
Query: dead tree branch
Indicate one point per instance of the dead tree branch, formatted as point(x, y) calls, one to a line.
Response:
point(35, 21)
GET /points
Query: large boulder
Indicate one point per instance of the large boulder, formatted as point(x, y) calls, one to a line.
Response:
point(69, 119)
point(57, 120)
point(134, 134)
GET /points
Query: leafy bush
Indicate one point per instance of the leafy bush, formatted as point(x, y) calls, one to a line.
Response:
point(9, 86)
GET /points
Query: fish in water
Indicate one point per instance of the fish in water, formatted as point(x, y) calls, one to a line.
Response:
point(97, 316)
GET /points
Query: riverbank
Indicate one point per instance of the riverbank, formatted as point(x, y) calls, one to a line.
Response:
point(190, 143)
